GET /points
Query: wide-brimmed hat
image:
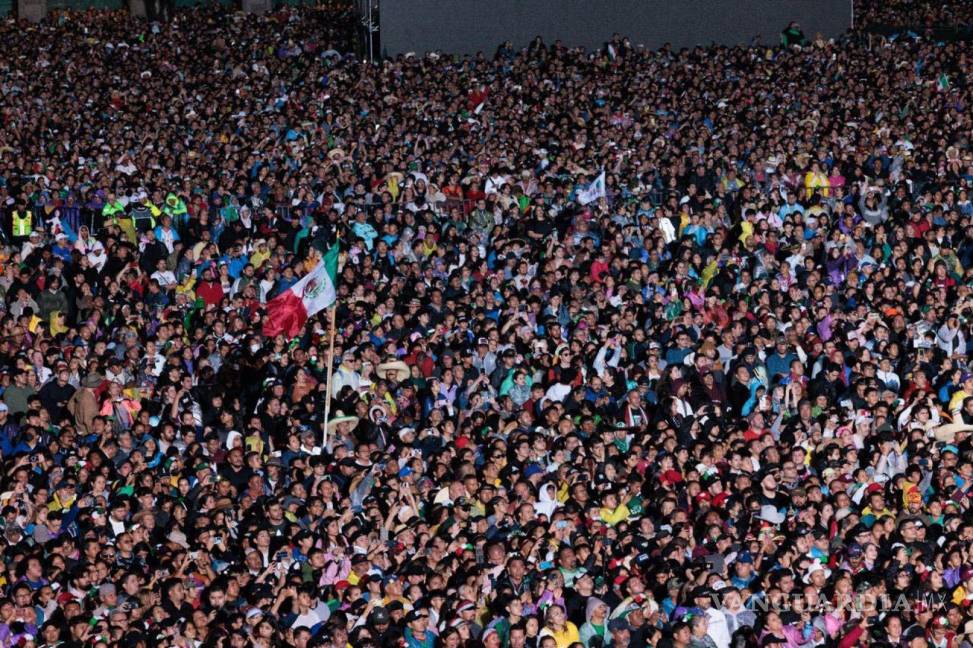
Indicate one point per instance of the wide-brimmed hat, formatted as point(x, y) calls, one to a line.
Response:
point(401, 369)
point(769, 513)
point(340, 417)
point(947, 433)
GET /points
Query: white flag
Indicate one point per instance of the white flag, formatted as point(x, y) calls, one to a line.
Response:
point(594, 191)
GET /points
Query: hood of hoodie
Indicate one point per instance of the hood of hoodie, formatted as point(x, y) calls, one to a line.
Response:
point(593, 603)
point(547, 499)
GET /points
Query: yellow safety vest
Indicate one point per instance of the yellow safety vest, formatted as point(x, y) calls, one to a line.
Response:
point(22, 224)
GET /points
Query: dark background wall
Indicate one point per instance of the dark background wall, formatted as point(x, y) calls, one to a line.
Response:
point(466, 26)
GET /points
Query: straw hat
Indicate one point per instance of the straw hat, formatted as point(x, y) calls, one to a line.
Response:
point(947, 433)
point(401, 369)
point(339, 418)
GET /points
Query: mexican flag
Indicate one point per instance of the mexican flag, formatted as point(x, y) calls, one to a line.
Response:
point(287, 312)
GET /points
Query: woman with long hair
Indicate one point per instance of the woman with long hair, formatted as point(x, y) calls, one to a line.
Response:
point(557, 626)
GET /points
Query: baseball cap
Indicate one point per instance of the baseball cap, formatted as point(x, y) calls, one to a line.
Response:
point(619, 625)
point(379, 615)
point(415, 615)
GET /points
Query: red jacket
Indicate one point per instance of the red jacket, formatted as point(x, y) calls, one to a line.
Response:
point(211, 292)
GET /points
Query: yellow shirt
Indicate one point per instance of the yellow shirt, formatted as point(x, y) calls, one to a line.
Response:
point(746, 231)
point(255, 444)
point(878, 514)
point(820, 181)
point(57, 504)
point(187, 286)
point(565, 637)
point(957, 399)
point(257, 258)
point(611, 518)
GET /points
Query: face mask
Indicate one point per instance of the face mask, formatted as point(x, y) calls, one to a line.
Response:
point(254, 348)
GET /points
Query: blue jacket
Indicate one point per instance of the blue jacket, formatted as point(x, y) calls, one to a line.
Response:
point(412, 642)
point(779, 365)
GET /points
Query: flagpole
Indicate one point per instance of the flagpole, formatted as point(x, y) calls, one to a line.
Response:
point(327, 392)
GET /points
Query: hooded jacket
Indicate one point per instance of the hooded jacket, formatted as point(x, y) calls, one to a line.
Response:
point(589, 630)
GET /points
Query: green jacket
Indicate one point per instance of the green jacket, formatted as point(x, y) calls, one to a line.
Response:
point(113, 209)
point(792, 36)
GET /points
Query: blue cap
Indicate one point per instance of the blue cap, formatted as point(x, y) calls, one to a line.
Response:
point(533, 469)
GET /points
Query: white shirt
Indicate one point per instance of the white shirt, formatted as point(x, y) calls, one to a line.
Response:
point(345, 376)
point(718, 631)
point(556, 392)
point(43, 374)
point(168, 238)
point(165, 278)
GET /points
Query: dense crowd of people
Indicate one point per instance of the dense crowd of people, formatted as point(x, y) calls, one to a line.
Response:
point(726, 401)
point(912, 14)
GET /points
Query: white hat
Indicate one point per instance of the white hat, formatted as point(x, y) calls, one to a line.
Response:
point(401, 369)
point(816, 566)
point(340, 418)
point(177, 537)
point(769, 513)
